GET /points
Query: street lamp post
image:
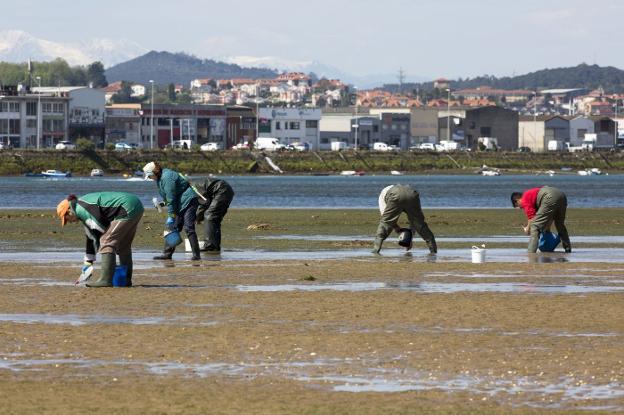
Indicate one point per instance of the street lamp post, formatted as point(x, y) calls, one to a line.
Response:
point(152, 116)
point(448, 115)
point(257, 120)
point(357, 123)
point(616, 121)
point(39, 113)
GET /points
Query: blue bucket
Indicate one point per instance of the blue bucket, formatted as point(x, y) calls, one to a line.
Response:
point(548, 241)
point(120, 276)
point(173, 239)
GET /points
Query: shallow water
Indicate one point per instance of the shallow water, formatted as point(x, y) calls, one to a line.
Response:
point(429, 287)
point(610, 239)
point(80, 320)
point(356, 376)
point(334, 192)
point(505, 255)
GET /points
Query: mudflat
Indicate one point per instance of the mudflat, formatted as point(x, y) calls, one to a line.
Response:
point(363, 334)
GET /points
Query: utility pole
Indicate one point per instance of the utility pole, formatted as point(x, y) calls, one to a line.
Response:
point(152, 117)
point(39, 118)
point(401, 79)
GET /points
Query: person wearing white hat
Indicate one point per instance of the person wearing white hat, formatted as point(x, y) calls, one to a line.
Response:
point(181, 202)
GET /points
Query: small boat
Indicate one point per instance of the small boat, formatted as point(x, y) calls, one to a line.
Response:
point(490, 173)
point(96, 173)
point(396, 173)
point(55, 173)
point(347, 173)
point(590, 172)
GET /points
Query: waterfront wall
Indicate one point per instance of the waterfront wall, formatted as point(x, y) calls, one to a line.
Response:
point(243, 162)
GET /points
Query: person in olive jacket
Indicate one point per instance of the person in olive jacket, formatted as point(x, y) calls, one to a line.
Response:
point(110, 220)
point(181, 202)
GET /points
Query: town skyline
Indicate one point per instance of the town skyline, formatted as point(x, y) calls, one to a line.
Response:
point(424, 39)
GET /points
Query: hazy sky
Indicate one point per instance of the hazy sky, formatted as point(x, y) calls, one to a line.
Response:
point(427, 38)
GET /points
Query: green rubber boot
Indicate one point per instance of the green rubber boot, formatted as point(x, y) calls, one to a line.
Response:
point(106, 274)
point(377, 245)
point(126, 259)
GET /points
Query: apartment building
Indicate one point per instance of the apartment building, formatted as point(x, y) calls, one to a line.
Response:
point(33, 120)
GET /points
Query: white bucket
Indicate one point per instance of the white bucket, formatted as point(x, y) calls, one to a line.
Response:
point(187, 245)
point(478, 255)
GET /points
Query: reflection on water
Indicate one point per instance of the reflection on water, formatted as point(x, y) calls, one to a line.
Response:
point(143, 259)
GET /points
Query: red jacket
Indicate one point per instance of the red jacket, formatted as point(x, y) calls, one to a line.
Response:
point(528, 201)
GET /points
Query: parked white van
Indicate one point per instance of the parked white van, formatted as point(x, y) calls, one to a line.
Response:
point(269, 144)
point(338, 145)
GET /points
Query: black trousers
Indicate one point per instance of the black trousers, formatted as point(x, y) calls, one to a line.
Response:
point(213, 217)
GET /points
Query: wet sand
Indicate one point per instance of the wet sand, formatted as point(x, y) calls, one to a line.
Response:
point(362, 335)
point(297, 316)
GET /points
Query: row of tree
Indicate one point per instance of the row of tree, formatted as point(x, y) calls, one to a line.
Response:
point(611, 79)
point(53, 73)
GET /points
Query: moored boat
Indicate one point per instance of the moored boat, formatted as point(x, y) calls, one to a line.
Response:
point(55, 173)
point(96, 173)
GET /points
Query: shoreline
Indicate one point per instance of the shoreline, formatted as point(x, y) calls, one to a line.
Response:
point(19, 162)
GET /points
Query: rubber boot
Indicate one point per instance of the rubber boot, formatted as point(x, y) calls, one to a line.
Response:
point(126, 259)
point(377, 245)
point(167, 252)
point(433, 247)
point(106, 274)
point(213, 237)
point(194, 247)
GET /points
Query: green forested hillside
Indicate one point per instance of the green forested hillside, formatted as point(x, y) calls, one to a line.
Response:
point(580, 76)
point(166, 67)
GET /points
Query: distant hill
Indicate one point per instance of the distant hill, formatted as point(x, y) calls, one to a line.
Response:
point(581, 76)
point(166, 67)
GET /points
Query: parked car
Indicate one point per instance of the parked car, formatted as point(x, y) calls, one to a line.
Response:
point(121, 146)
point(241, 146)
point(301, 146)
point(210, 147)
point(381, 147)
point(427, 146)
point(65, 145)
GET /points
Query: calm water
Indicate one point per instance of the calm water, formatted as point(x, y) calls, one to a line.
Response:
point(437, 191)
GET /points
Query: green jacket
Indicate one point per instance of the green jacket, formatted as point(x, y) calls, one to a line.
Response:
point(97, 210)
point(175, 191)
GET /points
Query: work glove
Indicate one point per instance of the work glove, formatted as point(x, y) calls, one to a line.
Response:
point(170, 224)
point(85, 272)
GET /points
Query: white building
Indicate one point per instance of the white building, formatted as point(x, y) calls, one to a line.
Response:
point(30, 120)
point(291, 125)
point(86, 105)
point(138, 90)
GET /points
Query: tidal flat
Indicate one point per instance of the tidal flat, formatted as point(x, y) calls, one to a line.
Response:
point(361, 334)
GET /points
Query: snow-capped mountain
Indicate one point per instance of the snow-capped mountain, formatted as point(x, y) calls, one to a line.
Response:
point(19, 46)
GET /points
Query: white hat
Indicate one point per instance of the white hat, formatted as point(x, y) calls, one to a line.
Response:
point(148, 170)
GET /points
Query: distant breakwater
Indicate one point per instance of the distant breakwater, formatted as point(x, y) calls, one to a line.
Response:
point(17, 162)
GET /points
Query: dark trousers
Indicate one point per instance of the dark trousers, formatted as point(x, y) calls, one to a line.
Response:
point(214, 216)
point(552, 205)
point(401, 199)
point(186, 219)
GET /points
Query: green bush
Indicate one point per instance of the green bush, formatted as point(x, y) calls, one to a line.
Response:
point(109, 146)
point(84, 145)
